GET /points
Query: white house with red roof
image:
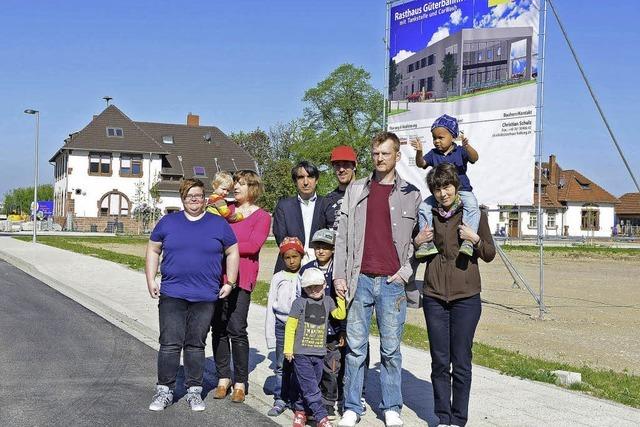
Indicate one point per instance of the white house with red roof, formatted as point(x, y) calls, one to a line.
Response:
point(572, 204)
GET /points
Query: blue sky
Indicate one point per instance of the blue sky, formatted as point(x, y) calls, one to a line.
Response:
point(244, 64)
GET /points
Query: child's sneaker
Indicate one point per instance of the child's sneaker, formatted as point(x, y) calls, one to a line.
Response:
point(426, 249)
point(278, 408)
point(162, 398)
point(194, 398)
point(325, 422)
point(466, 248)
point(349, 419)
point(299, 419)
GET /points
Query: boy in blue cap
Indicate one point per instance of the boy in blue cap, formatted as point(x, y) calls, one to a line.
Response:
point(444, 130)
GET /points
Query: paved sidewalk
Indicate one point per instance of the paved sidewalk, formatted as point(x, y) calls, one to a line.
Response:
point(119, 295)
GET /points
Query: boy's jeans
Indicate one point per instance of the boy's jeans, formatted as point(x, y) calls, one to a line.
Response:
point(470, 211)
point(390, 304)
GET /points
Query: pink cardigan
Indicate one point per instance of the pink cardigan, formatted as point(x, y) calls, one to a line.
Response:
point(251, 233)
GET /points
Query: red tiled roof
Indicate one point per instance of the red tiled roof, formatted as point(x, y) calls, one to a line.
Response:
point(629, 204)
point(562, 186)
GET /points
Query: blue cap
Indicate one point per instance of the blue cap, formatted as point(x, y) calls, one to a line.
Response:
point(447, 122)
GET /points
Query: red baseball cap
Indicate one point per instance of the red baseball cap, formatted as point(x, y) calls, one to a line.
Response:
point(343, 153)
point(291, 243)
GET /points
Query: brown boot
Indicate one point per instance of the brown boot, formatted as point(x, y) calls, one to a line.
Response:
point(238, 395)
point(221, 391)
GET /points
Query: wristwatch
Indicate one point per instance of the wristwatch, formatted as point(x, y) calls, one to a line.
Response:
point(232, 284)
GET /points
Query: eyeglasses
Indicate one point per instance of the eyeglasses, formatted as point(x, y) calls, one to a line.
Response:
point(194, 197)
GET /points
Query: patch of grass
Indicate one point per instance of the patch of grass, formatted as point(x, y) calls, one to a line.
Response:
point(131, 261)
point(397, 111)
point(616, 386)
point(485, 91)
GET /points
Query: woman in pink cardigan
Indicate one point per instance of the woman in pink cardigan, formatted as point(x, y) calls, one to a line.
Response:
point(229, 324)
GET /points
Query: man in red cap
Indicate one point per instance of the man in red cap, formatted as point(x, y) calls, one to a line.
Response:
point(344, 161)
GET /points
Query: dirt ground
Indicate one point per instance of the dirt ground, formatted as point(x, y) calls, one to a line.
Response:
point(593, 307)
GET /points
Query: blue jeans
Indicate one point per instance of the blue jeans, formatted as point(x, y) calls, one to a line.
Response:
point(390, 304)
point(451, 327)
point(470, 211)
point(308, 374)
point(283, 369)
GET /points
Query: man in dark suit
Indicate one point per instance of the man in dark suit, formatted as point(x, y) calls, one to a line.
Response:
point(302, 215)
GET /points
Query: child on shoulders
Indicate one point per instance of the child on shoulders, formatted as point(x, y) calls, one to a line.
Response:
point(444, 130)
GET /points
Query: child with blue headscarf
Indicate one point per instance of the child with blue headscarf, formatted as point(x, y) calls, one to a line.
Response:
point(444, 130)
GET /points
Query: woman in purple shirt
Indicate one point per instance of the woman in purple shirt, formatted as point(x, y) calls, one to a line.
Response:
point(193, 244)
point(229, 325)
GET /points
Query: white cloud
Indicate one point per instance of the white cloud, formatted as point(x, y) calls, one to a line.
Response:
point(402, 55)
point(513, 14)
point(441, 33)
point(456, 17)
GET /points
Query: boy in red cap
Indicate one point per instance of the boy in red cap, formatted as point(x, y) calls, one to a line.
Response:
point(284, 289)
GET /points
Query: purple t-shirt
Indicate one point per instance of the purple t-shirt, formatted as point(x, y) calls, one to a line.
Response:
point(192, 254)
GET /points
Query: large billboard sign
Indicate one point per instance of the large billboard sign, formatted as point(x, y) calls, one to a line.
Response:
point(475, 60)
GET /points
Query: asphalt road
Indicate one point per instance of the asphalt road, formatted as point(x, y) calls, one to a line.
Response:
point(61, 364)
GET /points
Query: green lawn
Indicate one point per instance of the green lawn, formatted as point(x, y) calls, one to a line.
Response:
point(620, 387)
point(396, 111)
point(485, 91)
point(578, 251)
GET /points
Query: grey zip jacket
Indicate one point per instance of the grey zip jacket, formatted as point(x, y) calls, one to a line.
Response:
point(404, 201)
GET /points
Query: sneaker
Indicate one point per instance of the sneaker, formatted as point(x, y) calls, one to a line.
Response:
point(162, 398)
point(363, 402)
point(278, 408)
point(324, 423)
point(299, 419)
point(194, 398)
point(349, 419)
point(392, 419)
point(466, 248)
point(426, 249)
point(331, 412)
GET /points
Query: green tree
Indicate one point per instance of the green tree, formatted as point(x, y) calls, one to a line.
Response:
point(449, 70)
point(345, 109)
point(18, 200)
point(257, 144)
point(394, 76)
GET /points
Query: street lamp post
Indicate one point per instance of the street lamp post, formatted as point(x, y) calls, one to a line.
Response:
point(35, 173)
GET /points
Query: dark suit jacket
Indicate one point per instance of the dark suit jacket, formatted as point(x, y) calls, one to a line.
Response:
point(287, 222)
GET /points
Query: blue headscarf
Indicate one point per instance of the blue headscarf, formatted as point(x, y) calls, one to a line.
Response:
point(447, 122)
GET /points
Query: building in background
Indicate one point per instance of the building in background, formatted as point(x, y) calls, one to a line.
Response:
point(572, 204)
point(628, 215)
point(115, 165)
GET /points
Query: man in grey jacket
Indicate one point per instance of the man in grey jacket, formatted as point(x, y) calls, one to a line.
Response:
point(372, 265)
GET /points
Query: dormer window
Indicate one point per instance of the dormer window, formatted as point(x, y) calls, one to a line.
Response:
point(167, 139)
point(115, 132)
point(199, 172)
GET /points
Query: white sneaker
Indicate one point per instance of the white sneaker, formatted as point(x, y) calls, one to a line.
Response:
point(162, 398)
point(194, 398)
point(444, 425)
point(392, 419)
point(349, 419)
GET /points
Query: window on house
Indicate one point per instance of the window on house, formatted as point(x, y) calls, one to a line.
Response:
point(100, 164)
point(551, 220)
point(131, 165)
point(503, 216)
point(114, 203)
point(423, 62)
point(431, 59)
point(590, 218)
point(199, 172)
point(499, 51)
point(115, 132)
point(429, 84)
point(410, 69)
point(533, 219)
point(490, 53)
point(167, 139)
